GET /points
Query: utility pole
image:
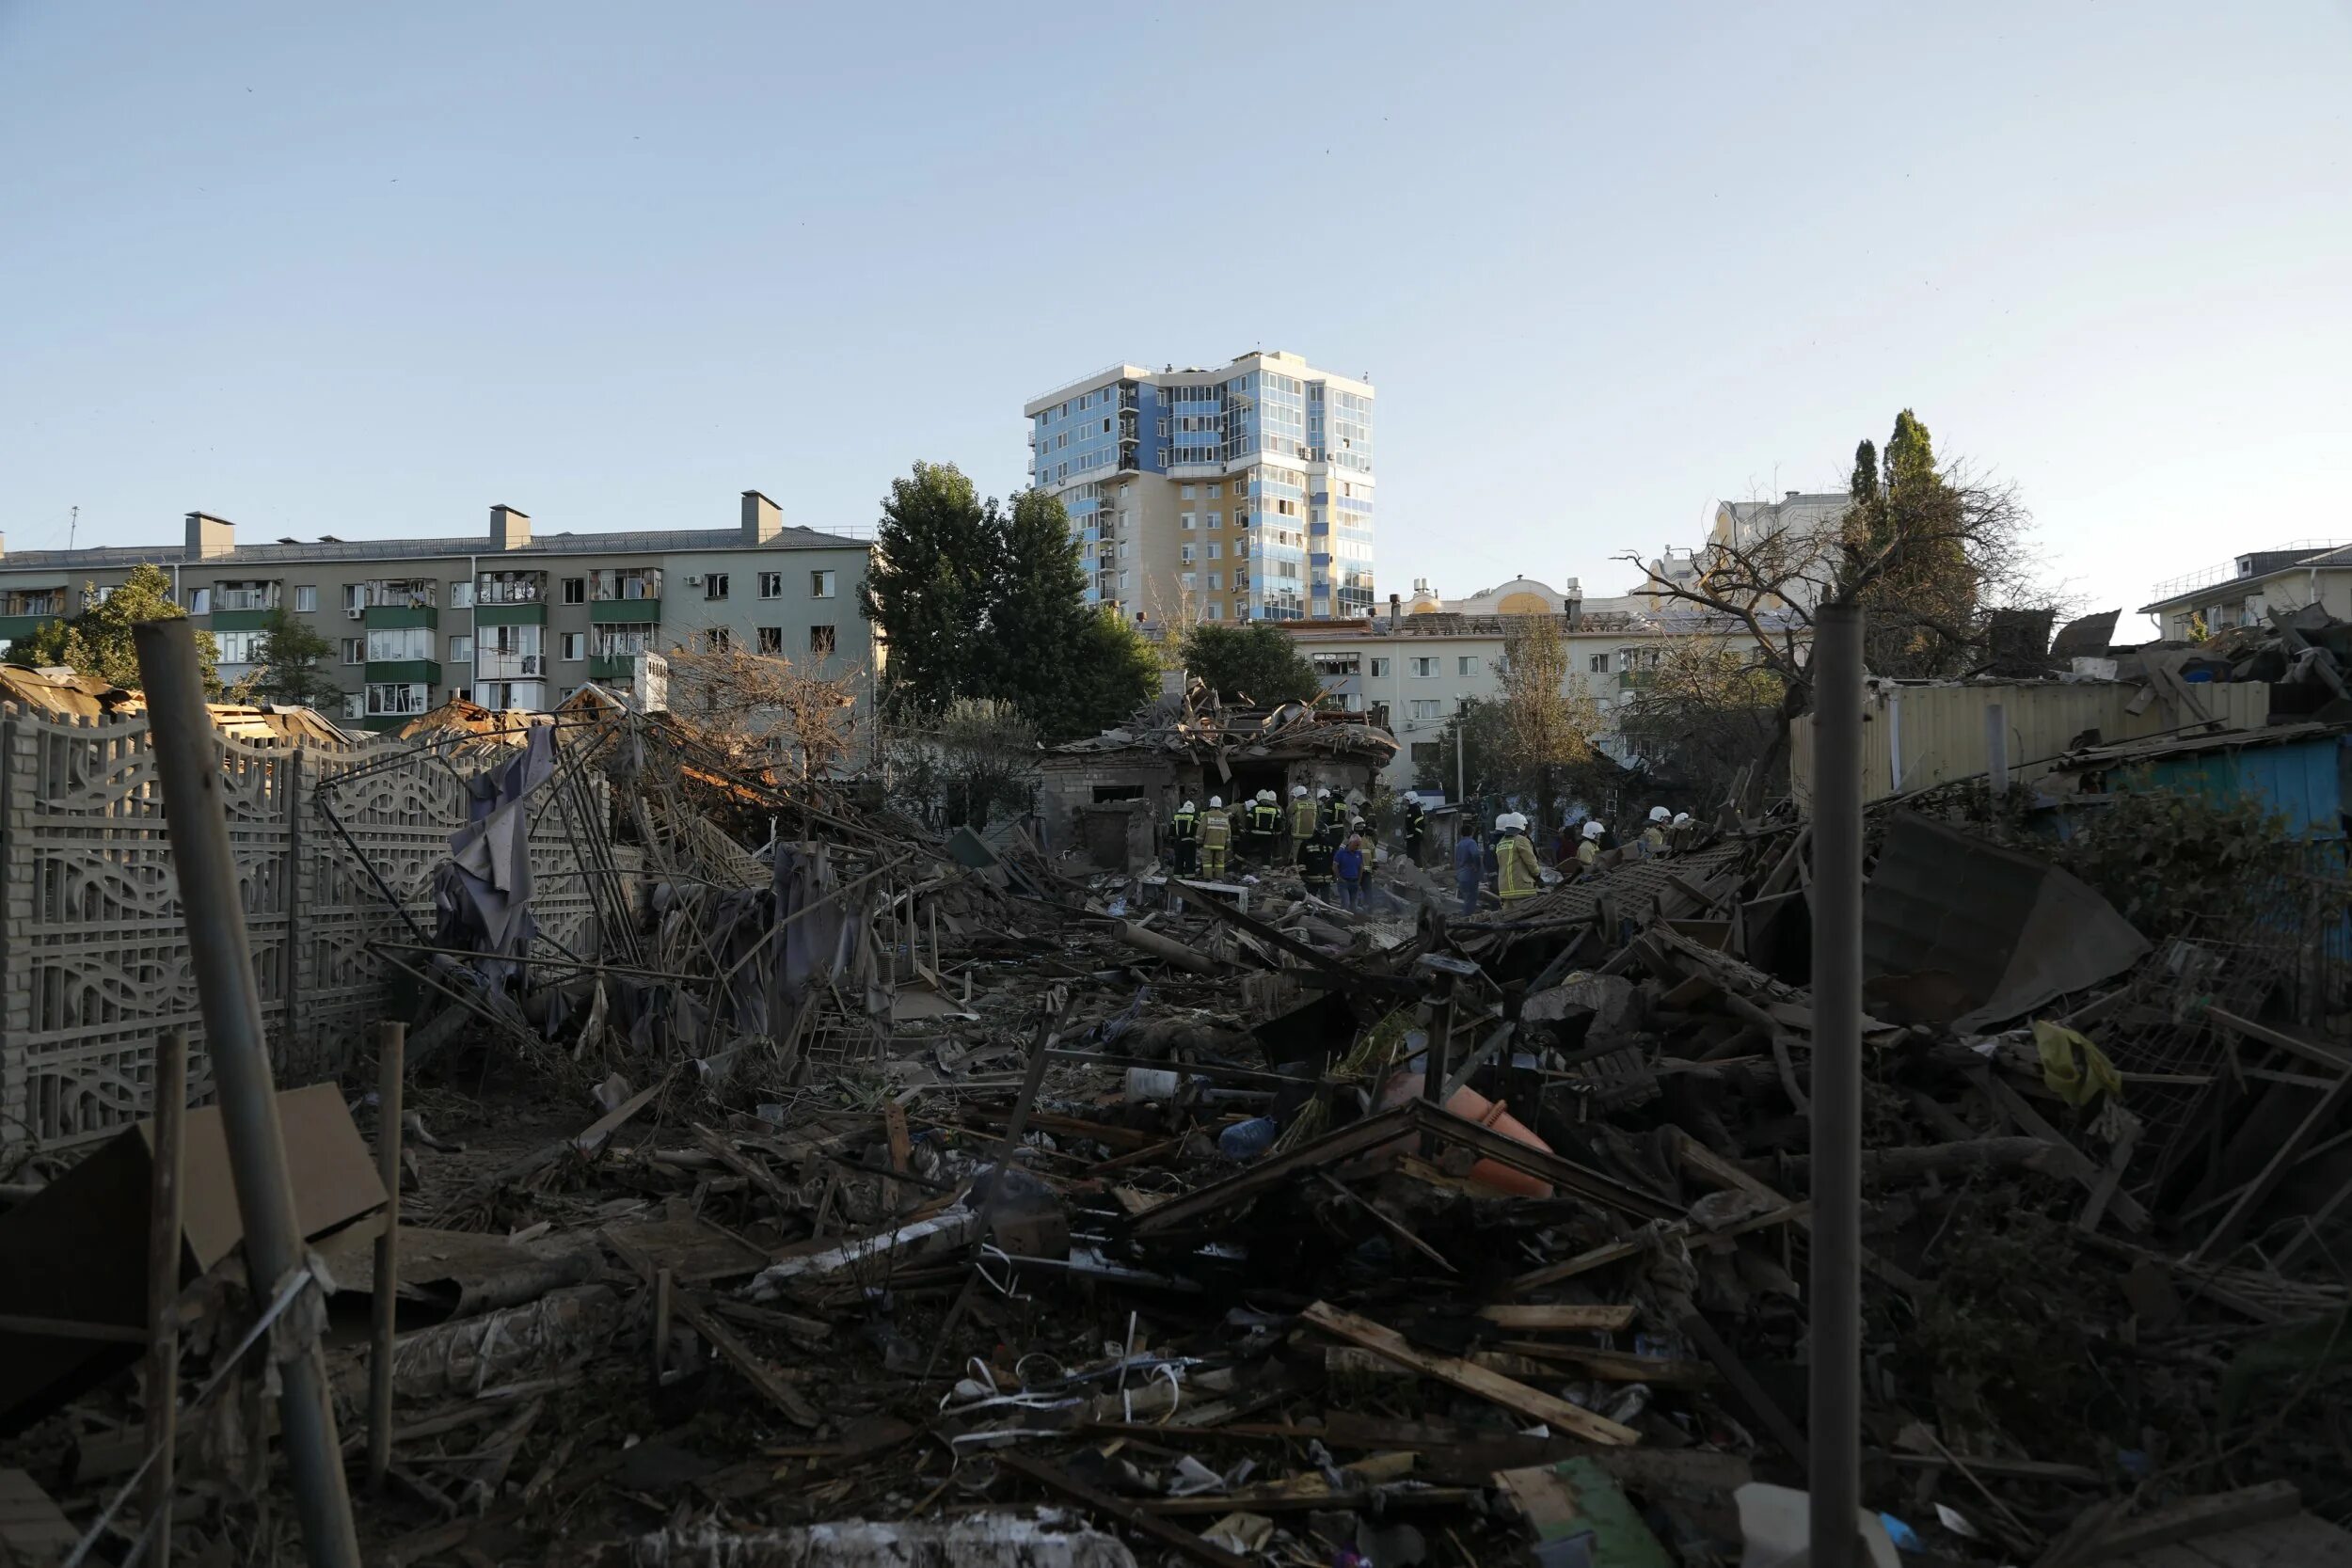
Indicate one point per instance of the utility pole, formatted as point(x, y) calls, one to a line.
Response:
point(73, 526)
point(1835, 1405)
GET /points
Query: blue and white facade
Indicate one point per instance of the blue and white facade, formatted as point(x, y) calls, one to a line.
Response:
point(1244, 493)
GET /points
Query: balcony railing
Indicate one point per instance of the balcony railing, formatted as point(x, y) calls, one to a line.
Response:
point(491, 664)
point(246, 598)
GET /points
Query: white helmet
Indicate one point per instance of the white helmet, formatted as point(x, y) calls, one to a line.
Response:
point(1681, 817)
point(1594, 829)
point(1215, 801)
point(1659, 814)
point(1298, 792)
point(1189, 806)
point(1267, 796)
point(1323, 794)
point(1509, 821)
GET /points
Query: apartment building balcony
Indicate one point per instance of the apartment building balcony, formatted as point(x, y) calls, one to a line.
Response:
point(510, 587)
point(247, 596)
point(402, 672)
point(491, 664)
point(624, 612)
point(1636, 680)
point(612, 667)
point(510, 612)
point(386, 617)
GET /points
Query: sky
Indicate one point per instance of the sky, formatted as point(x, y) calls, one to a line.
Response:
point(367, 270)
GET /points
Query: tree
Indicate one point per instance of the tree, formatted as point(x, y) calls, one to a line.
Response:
point(98, 641)
point(764, 710)
point(1257, 665)
point(977, 600)
point(1547, 728)
point(1073, 669)
point(294, 665)
point(968, 764)
point(1930, 552)
point(1469, 762)
point(1703, 717)
point(937, 558)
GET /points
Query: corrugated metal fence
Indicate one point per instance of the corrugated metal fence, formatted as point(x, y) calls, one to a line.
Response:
point(1917, 737)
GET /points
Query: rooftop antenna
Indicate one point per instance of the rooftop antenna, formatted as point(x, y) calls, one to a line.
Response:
point(73, 526)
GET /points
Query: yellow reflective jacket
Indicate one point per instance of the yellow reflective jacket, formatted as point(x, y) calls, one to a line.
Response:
point(1515, 867)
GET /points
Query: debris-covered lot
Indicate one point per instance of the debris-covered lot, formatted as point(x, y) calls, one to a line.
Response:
point(866, 1196)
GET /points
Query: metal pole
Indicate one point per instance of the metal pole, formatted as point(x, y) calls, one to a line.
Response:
point(1836, 1232)
point(391, 1048)
point(162, 1285)
point(1996, 750)
point(188, 763)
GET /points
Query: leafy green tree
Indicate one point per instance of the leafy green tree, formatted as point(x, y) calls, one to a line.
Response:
point(1257, 665)
point(937, 560)
point(1071, 670)
point(1473, 756)
point(1909, 563)
point(294, 667)
point(98, 641)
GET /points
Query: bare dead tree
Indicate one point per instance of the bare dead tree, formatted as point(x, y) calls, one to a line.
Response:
point(1930, 559)
point(766, 710)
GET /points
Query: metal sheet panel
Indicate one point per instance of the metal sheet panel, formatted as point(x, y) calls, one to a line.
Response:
point(1938, 731)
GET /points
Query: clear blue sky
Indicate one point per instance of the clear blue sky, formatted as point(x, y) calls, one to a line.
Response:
point(366, 270)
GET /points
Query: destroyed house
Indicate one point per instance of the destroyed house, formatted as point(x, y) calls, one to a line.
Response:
point(1105, 797)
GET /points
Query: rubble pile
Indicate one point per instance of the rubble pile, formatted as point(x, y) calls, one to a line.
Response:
point(869, 1196)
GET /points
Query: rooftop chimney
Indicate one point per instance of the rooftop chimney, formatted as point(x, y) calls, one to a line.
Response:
point(762, 520)
point(1793, 494)
point(510, 529)
point(208, 536)
point(4, 546)
point(1396, 612)
point(1572, 603)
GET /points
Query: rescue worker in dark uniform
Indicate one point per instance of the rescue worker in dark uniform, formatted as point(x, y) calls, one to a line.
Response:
point(1413, 827)
point(1183, 832)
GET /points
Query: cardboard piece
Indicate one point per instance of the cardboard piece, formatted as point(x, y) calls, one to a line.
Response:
point(78, 1251)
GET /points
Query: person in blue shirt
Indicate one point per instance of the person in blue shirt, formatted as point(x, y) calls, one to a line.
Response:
point(1470, 868)
point(1348, 862)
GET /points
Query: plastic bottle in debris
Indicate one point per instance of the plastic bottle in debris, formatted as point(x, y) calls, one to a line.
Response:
point(1247, 1140)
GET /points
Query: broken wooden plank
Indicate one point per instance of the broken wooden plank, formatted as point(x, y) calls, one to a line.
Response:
point(1616, 1366)
point(1174, 1537)
point(1387, 1222)
point(1583, 1263)
point(1558, 1320)
point(748, 1362)
point(1456, 1372)
point(2129, 1210)
point(1278, 1170)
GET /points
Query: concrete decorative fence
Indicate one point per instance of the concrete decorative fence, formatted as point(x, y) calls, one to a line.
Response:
point(93, 949)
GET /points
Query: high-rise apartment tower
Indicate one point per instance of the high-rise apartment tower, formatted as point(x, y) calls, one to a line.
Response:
point(1238, 494)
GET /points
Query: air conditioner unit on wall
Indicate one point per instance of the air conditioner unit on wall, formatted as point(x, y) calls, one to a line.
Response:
point(356, 611)
point(693, 582)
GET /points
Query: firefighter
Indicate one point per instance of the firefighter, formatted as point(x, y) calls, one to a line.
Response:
point(1314, 864)
point(1588, 852)
point(1413, 827)
point(1216, 833)
point(1517, 869)
point(1304, 824)
point(1265, 827)
point(1654, 836)
point(1184, 832)
point(1331, 815)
